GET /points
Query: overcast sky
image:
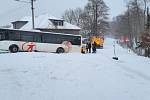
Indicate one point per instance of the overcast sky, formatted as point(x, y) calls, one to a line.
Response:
point(11, 9)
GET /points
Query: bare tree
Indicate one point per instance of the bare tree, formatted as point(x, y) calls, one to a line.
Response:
point(93, 19)
point(97, 11)
point(69, 16)
point(131, 23)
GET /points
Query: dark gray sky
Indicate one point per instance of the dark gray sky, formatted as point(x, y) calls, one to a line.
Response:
point(11, 10)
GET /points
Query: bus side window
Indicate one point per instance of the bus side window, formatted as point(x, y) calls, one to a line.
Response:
point(27, 38)
point(14, 36)
point(6, 36)
point(49, 38)
point(60, 39)
point(46, 38)
point(0, 36)
point(37, 38)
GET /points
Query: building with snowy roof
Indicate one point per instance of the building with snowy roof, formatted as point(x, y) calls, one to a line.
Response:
point(46, 23)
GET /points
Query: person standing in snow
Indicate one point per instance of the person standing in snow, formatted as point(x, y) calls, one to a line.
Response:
point(94, 47)
point(89, 47)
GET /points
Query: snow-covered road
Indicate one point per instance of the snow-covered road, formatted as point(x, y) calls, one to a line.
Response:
point(75, 76)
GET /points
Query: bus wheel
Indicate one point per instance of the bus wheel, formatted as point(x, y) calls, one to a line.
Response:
point(13, 48)
point(60, 50)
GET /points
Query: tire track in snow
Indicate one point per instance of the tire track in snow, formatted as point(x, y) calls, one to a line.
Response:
point(133, 71)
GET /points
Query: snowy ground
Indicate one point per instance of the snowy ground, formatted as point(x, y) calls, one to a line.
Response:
point(75, 76)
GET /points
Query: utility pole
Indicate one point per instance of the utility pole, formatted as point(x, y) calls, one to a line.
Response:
point(32, 8)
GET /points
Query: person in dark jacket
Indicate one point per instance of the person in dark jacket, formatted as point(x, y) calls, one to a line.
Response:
point(89, 47)
point(94, 47)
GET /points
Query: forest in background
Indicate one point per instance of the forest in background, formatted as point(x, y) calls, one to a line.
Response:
point(131, 28)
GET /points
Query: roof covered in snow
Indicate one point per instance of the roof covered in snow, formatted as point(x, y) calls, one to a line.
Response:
point(44, 22)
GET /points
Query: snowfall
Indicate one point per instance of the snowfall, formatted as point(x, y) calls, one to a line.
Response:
point(75, 76)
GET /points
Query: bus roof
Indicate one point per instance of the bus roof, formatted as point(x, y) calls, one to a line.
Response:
point(37, 31)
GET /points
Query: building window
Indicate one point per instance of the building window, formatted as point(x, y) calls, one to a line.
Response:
point(57, 22)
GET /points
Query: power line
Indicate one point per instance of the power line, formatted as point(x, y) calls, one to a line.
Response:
point(8, 12)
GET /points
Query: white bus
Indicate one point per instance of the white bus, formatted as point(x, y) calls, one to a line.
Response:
point(14, 40)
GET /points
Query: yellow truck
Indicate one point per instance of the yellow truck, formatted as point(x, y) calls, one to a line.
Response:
point(98, 40)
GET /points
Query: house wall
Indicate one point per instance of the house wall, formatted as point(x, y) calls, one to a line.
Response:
point(67, 31)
